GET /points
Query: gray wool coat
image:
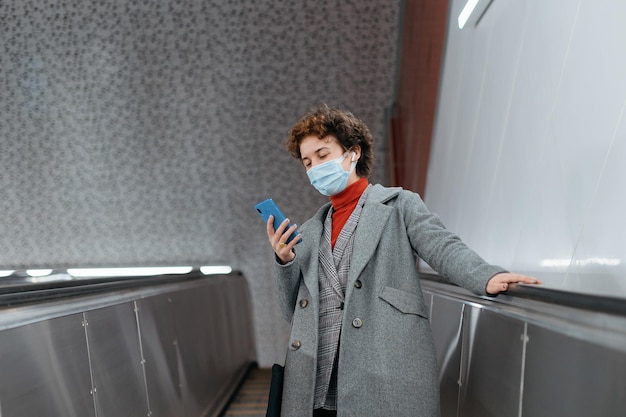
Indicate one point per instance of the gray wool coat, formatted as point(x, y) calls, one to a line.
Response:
point(387, 364)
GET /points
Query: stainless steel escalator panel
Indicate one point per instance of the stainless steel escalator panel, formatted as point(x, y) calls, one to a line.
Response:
point(223, 331)
point(212, 346)
point(195, 320)
point(492, 359)
point(44, 370)
point(571, 376)
point(447, 323)
point(116, 361)
point(158, 341)
point(241, 312)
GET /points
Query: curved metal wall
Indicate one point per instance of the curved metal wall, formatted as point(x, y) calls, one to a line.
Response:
point(172, 350)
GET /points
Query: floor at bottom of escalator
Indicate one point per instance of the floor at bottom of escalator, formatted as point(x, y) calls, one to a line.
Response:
point(251, 398)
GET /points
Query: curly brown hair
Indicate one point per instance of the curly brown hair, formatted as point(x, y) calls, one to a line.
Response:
point(343, 125)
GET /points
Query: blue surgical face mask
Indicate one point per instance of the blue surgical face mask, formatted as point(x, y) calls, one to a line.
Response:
point(330, 178)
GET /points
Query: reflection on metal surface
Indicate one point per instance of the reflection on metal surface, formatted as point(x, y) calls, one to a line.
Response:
point(116, 361)
point(492, 358)
point(567, 376)
point(176, 353)
point(38, 279)
point(522, 358)
point(564, 262)
point(447, 324)
point(158, 346)
point(38, 272)
point(44, 369)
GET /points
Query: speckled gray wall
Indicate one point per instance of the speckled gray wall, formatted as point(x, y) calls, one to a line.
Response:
point(143, 132)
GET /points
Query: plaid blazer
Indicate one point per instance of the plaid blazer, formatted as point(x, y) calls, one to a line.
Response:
point(333, 276)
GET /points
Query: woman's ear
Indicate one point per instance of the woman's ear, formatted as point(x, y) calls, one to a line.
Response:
point(356, 153)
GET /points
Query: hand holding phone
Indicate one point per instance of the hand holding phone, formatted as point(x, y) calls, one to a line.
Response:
point(268, 207)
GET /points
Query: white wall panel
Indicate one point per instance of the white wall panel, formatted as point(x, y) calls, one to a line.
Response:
point(492, 123)
point(542, 91)
point(529, 127)
point(597, 264)
point(458, 115)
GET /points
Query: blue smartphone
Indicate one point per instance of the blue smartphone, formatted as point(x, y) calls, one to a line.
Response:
point(268, 207)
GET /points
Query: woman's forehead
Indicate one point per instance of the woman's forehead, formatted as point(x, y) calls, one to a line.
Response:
point(311, 144)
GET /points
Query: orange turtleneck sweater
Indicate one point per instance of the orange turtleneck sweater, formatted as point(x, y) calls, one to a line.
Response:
point(343, 206)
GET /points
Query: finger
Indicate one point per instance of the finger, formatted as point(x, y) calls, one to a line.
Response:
point(494, 288)
point(285, 245)
point(282, 227)
point(289, 232)
point(522, 278)
point(501, 282)
point(292, 244)
point(283, 237)
point(270, 227)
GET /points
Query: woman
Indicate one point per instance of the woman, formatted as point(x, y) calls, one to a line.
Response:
point(361, 343)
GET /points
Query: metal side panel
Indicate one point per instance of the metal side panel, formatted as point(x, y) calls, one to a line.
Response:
point(232, 318)
point(447, 324)
point(492, 358)
point(44, 370)
point(116, 361)
point(158, 342)
point(237, 319)
point(239, 325)
point(223, 333)
point(567, 376)
point(194, 317)
point(241, 308)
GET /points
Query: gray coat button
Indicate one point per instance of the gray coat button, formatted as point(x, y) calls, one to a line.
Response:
point(295, 345)
point(357, 323)
point(358, 284)
point(304, 303)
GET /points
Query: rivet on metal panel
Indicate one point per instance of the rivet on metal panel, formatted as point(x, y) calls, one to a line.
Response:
point(524, 338)
point(85, 323)
point(143, 361)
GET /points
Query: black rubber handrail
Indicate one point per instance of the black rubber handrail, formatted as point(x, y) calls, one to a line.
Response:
point(16, 291)
point(591, 302)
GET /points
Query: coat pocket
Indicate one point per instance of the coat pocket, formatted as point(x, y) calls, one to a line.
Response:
point(406, 302)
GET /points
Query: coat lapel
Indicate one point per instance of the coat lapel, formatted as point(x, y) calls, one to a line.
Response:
point(371, 226)
point(314, 233)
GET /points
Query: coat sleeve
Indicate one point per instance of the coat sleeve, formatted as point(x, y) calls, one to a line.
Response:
point(443, 250)
point(288, 282)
